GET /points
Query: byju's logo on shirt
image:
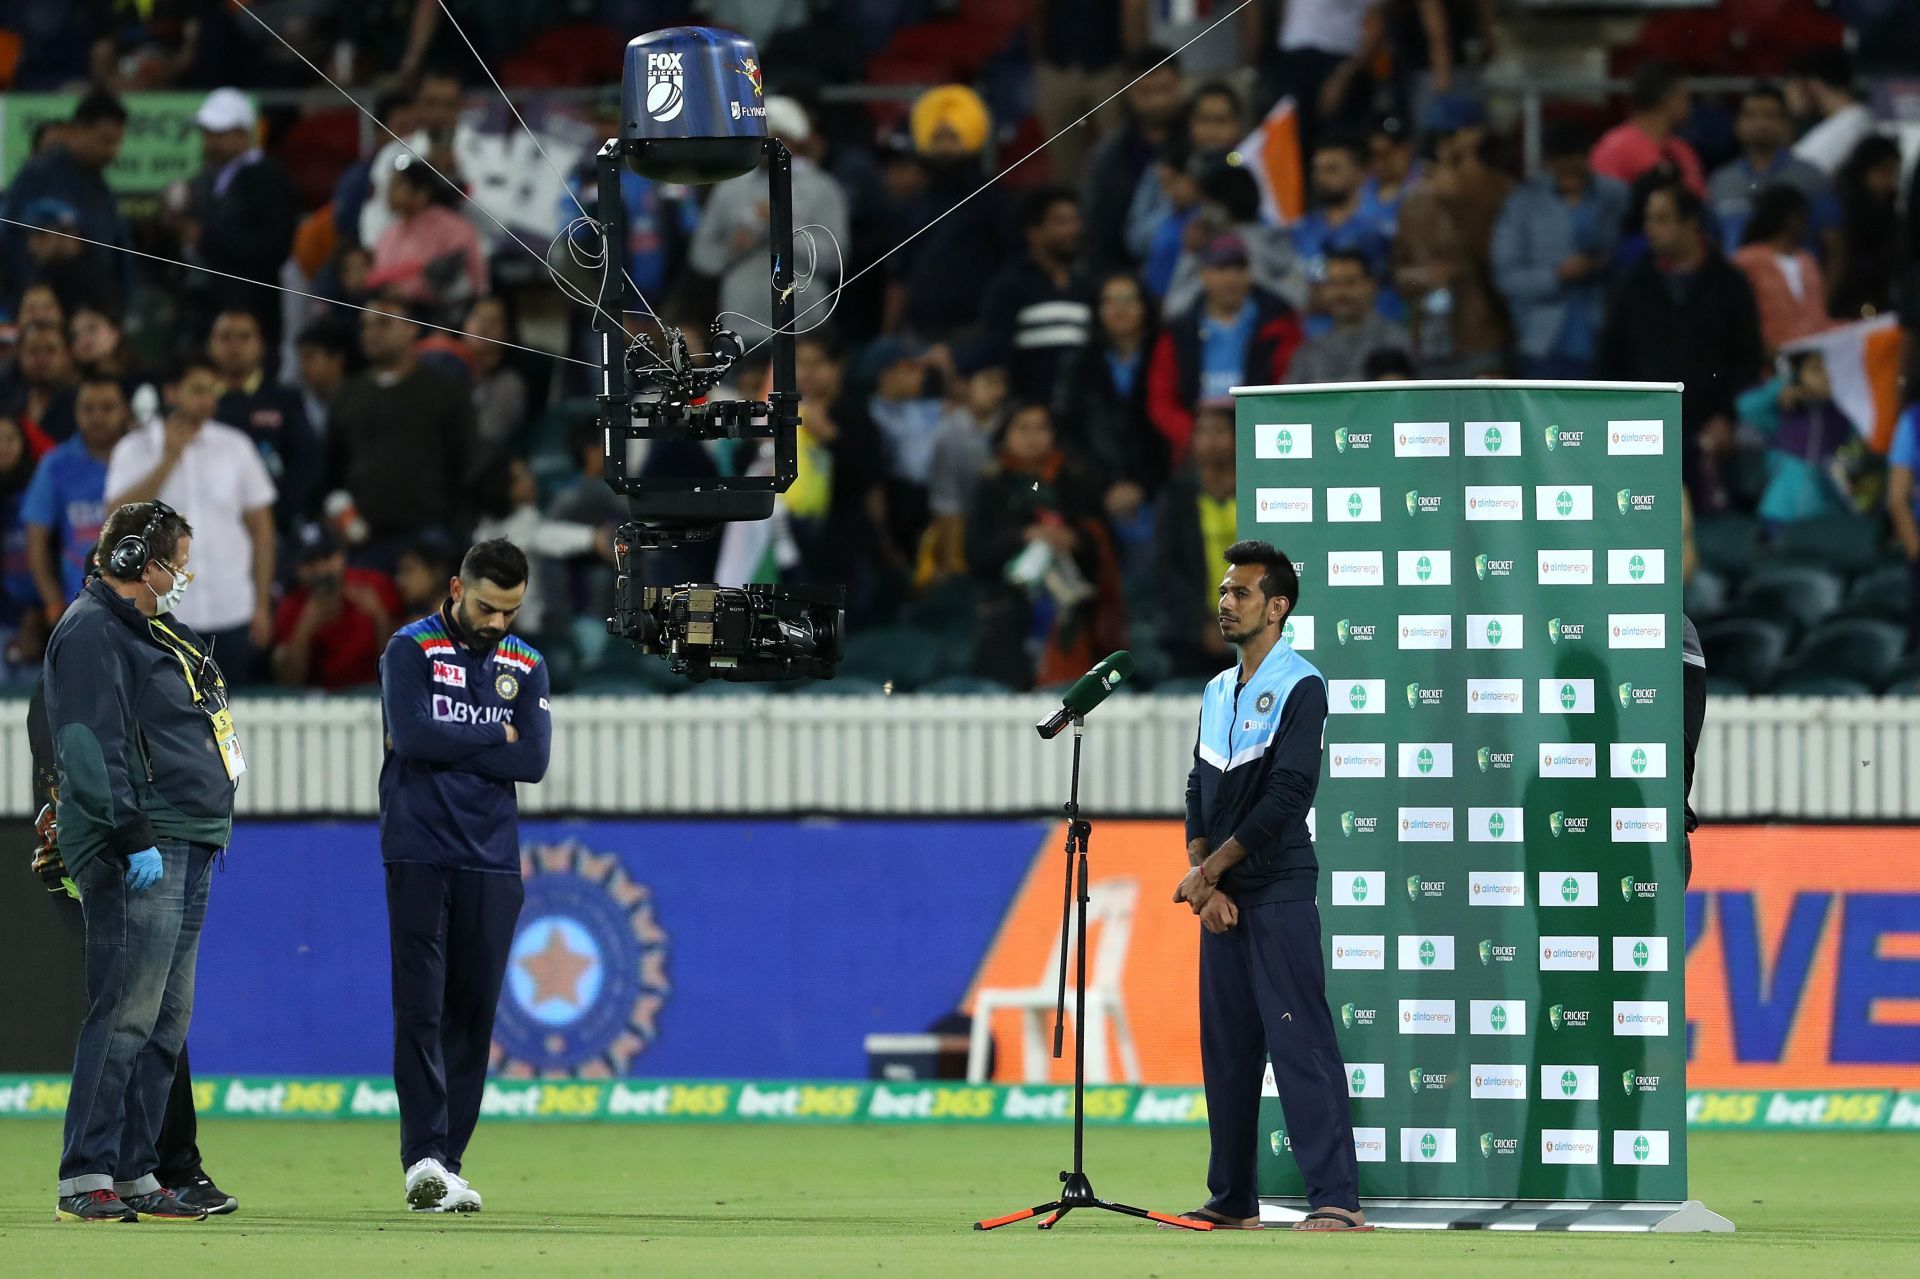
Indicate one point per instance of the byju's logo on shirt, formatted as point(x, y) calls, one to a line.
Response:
point(448, 711)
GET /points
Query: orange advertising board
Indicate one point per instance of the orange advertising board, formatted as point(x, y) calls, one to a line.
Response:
point(1803, 960)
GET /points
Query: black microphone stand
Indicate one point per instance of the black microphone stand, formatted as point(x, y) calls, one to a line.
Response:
point(1076, 1189)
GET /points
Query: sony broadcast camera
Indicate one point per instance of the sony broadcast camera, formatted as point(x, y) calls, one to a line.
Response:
point(693, 111)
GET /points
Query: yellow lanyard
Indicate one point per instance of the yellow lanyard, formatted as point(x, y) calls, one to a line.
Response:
point(181, 651)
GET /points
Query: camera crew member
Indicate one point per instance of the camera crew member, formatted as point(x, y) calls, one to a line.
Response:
point(147, 759)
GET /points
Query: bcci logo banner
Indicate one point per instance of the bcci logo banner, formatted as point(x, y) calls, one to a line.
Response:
point(587, 974)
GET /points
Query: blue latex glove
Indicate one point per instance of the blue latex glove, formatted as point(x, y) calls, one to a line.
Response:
point(144, 869)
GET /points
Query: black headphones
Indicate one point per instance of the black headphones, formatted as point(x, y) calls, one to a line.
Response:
point(130, 554)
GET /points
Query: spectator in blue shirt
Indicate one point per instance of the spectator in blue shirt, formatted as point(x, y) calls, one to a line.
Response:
point(1339, 220)
point(1903, 505)
point(20, 616)
point(1551, 247)
point(1765, 131)
point(66, 502)
point(72, 172)
point(1392, 171)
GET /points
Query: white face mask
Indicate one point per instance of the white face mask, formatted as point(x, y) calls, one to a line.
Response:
point(171, 599)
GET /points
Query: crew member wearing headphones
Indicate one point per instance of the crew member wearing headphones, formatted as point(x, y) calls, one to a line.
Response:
point(148, 758)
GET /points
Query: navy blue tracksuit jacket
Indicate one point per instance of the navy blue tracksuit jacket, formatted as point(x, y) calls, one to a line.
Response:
point(446, 787)
point(1263, 986)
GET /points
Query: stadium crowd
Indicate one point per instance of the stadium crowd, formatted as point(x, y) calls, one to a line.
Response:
point(1017, 446)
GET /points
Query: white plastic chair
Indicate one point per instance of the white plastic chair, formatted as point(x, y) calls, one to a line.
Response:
point(1110, 907)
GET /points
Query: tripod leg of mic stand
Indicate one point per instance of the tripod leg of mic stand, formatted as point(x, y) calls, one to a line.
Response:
point(1025, 1214)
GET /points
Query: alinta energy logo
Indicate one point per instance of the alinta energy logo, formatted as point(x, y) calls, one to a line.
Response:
point(1561, 1017)
point(1485, 567)
point(1631, 503)
point(1353, 1016)
point(1491, 760)
point(1561, 823)
point(1348, 632)
point(1491, 952)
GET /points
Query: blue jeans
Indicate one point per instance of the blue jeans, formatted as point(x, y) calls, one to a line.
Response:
point(141, 951)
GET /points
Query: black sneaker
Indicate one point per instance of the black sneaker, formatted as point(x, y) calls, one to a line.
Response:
point(160, 1205)
point(93, 1205)
point(198, 1191)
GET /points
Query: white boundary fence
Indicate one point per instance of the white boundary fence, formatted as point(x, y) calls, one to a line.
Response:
point(1789, 758)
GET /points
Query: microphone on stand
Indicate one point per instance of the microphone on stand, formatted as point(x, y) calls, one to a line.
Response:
point(1087, 692)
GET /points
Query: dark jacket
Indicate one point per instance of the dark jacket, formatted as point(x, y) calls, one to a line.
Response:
point(1173, 375)
point(1708, 337)
point(55, 174)
point(1045, 324)
point(943, 270)
point(1256, 766)
point(446, 785)
point(1114, 169)
point(1182, 578)
point(1105, 429)
point(136, 753)
point(403, 450)
point(246, 230)
point(274, 417)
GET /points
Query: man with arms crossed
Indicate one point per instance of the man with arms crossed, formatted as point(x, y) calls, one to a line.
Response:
point(1263, 986)
point(466, 711)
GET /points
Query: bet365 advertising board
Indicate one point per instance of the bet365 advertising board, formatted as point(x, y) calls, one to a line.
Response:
point(1490, 582)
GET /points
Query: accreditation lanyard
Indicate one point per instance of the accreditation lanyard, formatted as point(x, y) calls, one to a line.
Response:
point(209, 691)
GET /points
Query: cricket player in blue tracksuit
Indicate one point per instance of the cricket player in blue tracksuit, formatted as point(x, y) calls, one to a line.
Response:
point(466, 713)
point(1251, 878)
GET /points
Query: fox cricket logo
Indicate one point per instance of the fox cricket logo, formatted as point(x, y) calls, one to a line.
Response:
point(666, 85)
point(587, 974)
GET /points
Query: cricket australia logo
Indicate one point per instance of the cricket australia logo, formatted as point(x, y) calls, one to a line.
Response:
point(587, 974)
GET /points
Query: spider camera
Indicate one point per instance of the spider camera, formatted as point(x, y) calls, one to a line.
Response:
point(693, 111)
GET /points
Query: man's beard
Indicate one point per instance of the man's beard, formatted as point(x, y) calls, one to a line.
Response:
point(1234, 637)
point(485, 634)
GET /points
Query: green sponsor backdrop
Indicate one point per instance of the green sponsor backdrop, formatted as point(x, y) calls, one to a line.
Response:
point(162, 141)
point(1490, 582)
point(784, 1101)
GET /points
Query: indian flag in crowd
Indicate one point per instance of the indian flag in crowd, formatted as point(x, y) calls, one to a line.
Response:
point(1272, 155)
point(1863, 362)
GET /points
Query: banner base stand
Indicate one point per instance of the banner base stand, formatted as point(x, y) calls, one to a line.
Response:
point(1651, 1216)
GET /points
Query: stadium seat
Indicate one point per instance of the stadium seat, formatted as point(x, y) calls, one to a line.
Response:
point(1744, 650)
point(905, 656)
point(1857, 648)
point(1706, 595)
point(1885, 591)
point(1820, 686)
point(1905, 680)
point(1849, 544)
point(1725, 543)
point(949, 603)
point(1798, 595)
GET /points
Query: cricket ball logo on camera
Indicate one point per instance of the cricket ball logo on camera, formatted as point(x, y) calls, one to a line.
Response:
point(587, 976)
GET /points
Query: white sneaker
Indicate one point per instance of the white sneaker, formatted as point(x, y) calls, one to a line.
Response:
point(428, 1182)
point(460, 1196)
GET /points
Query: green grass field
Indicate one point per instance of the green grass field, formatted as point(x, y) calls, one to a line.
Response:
point(738, 1201)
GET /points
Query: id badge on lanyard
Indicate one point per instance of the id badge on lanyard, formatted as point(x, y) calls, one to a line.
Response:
point(228, 739)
